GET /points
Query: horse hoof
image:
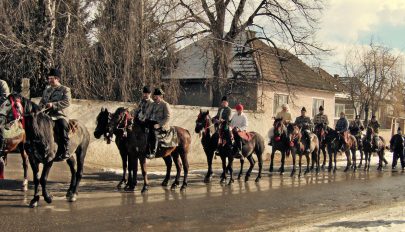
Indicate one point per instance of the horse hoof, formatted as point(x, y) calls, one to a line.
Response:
point(129, 188)
point(271, 169)
point(69, 194)
point(299, 175)
point(292, 173)
point(34, 202)
point(145, 189)
point(165, 183)
point(120, 184)
point(247, 178)
point(347, 168)
point(73, 197)
point(230, 182)
point(222, 180)
point(207, 179)
point(174, 186)
point(306, 172)
point(48, 199)
point(24, 186)
point(257, 179)
point(239, 176)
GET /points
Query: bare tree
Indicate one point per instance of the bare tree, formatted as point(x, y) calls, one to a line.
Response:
point(373, 72)
point(286, 23)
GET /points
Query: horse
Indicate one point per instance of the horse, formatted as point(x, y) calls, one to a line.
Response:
point(319, 131)
point(368, 150)
point(280, 143)
point(14, 143)
point(358, 135)
point(298, 147)
point(332, 145)
point(103, 128)
point(210, 141)
point(135, 145)
point(41, 147)
point(349, 146)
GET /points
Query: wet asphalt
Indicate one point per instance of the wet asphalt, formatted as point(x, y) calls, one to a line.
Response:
point(277, 202)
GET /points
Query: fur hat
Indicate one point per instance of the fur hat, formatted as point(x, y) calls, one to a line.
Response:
point(158, 92)
point(321, 108)
point(303, 109)
point(146, 89)
point(54, 72)
point(224, 98)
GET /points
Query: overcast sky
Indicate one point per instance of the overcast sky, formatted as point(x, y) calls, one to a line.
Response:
point(349, 23)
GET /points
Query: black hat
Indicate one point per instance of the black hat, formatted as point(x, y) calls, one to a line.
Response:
point(158, 92)
point(357, 116)
point(54, 72)
point(321, 108)
point(373, 116)
point(224, 98)
point(399, 129)
point(146, 89)
point(303, 109)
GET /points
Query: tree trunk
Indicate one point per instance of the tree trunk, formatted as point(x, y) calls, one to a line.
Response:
point(216, 85)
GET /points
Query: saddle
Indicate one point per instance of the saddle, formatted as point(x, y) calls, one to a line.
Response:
point(246, 136)
point(14, 130)
point(168, 138)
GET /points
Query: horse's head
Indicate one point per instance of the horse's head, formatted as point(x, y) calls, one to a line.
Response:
point(278, 124)
point(203, 121)
point(119, 119)
point(103, 124)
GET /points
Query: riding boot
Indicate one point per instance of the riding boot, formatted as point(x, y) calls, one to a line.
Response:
point(307, 142)
point(153, 145)
point(375, 143)
point(64, 142)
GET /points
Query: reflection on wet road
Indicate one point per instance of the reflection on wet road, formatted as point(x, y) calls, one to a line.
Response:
point(276, 202)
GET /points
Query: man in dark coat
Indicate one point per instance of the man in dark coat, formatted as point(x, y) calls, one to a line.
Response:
point(305, 124)
point(397, 147)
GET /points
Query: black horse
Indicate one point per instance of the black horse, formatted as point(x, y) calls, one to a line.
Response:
point(357, 133)
point(333, 145)
point(280, 143)
point(368, 149)
point(41, 147)
point(319, 130)
point(210, 142)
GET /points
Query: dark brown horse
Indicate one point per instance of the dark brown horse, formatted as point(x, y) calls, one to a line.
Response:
point(368, 150)
point(41, 147)
point(281, 143)
point(133, 145)
point(349, 146)
point(298, 148)
point(320, 132)
point(12, 144)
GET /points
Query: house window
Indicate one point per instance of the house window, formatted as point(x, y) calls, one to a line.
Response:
point(338, 109)
point(316, 103)
point(279, 100)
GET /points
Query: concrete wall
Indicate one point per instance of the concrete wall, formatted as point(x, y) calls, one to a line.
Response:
point(102, 155)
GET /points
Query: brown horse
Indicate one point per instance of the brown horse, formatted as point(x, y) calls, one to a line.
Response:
point(134, 144)
point(280, 143)
point(298, 147)
point(368, 150)
point(349, 144)
point(12, 144)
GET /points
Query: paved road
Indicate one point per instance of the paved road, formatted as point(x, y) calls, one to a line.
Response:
point(277, 202)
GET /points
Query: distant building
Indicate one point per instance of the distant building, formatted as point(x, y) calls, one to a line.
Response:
point(262, 80)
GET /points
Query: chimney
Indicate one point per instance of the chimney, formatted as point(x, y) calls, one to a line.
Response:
point(336, 75)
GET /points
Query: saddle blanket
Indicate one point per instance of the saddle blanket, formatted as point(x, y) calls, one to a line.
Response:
point(168, 138)
point(247, 136)
point(15, 130)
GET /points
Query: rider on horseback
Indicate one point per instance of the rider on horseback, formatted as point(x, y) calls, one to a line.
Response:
point(55, 99)
point(375, 126)
point(144, 106)
point(239, 123)
point(222, 119)
point(4, 92)
point(321, 118)
point(356, 127)
point(157, 121)
point(305, 124)
point(285, 116)
point(342, 127)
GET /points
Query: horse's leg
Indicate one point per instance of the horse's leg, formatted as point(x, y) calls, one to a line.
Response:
point(324, 157)
point(308, 158)
point(260, 161)
point(178, 164)
point(242, 161)
point(210, 156)
point(124, 158)
point(281, 170)
point(354, 159)
point(252, 164)
point(313, 161)
point(44, 178)
point(223, 175)
point(348, 158)
point(361, 156)
point(300, 165)
point(330, 155)
point(132, 162)
point(35, 170)
point(335, 161)
point(318, 161)
point(230, 168)
point(294, 157)
point(184, 160)
point(271, 160)
point(142, 161)
point(168, 162)
point(80, 155)
point(72, 166)
point(25, 160)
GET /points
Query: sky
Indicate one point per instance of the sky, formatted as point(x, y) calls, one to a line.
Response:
point(346, 24)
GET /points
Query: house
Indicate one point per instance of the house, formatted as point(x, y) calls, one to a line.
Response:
point(262, 80)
